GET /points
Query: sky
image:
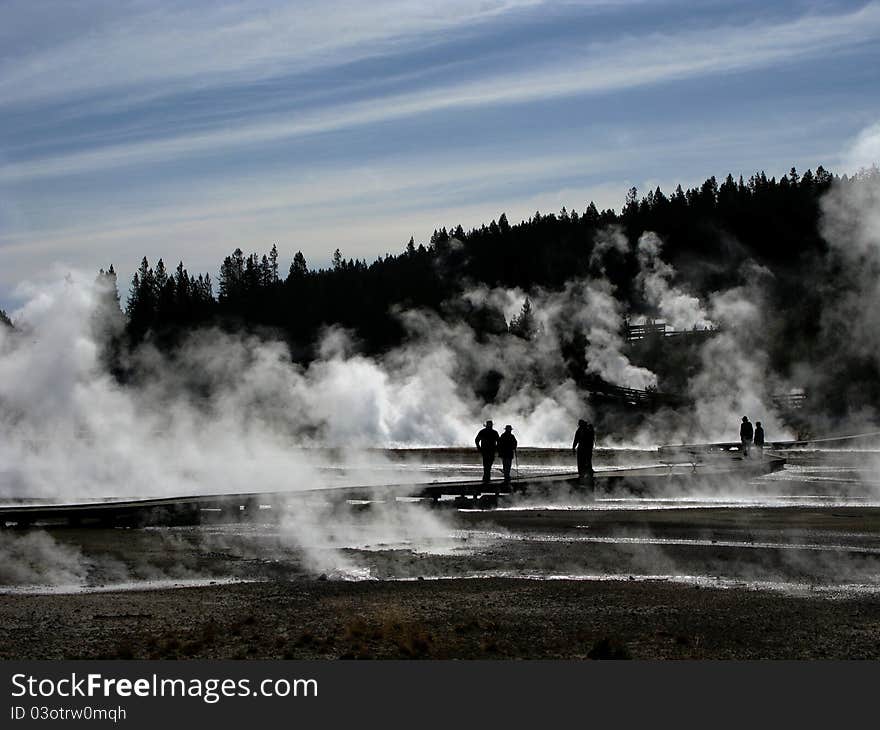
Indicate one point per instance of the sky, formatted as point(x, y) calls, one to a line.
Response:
point(185, 130)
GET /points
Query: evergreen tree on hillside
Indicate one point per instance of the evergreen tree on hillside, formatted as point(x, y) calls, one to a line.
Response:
point(143, 299)
point(108, 321)
point(524, 324)
point(298, 267)
point(273, 265)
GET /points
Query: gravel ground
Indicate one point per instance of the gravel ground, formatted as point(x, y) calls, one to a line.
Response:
point(459, 618)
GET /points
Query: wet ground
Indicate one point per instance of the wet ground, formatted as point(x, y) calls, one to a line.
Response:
point(784, 565)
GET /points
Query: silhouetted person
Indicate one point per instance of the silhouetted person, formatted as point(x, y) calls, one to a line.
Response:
point(759, 438)
point(506, 450)
point(745, 434)
point(487, 443)
point(582, 445)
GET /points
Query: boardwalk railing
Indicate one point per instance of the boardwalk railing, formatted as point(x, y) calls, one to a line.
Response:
point(790, 401)
point(636, 332)
point(600, 390)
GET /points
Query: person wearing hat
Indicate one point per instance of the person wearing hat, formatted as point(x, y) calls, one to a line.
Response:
point(506, 450)
point(745, 434)
point(487, 444)
point(584, 438)
point(759, 439)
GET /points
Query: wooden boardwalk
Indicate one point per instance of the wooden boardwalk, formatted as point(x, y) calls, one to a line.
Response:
point(193, 509)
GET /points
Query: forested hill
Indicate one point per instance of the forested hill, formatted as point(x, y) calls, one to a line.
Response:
point(708, 232)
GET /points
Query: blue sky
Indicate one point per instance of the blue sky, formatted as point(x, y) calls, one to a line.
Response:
point(183, 130)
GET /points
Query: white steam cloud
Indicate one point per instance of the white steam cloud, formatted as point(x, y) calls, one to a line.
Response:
point(676, 307)
point(864, 153)
point(67, 428)
point(232, 413)
point(851, 225)
point(734, 377)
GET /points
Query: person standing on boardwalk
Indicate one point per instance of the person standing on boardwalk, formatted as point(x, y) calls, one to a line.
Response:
point(584, 438)
point(487, 444)
point(759, 439)
point(507, 450)
point(745, 434)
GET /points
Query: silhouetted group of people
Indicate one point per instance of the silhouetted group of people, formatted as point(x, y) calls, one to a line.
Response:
point(751, 436)
point(489, 443)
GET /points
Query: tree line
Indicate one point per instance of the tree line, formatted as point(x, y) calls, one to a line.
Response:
point(708, 232)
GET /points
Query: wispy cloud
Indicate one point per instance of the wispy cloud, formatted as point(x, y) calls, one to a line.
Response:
point(626, 62)
point(199, 44)
point(365, 210)
point(183, 130)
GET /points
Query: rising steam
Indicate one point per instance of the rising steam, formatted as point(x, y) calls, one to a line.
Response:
point(230, 412)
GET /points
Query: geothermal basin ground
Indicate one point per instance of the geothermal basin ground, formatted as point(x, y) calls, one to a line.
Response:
point(783, 566)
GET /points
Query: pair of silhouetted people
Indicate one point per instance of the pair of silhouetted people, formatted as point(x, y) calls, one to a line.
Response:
point(749, 436)
point(584, 438)
point(489, 443)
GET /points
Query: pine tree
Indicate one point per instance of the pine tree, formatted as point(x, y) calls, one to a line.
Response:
point(133, 292)
point(252, 275)
point(182, 287)
point(205, 288)
point(161, 275)
point(265, 272)
point(228, 279)
point(591, 214)
point(524, 325)
point(273, 264)
point(298, 267)
point(142, 301)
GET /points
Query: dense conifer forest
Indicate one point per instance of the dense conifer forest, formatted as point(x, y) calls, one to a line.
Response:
point(709, 234)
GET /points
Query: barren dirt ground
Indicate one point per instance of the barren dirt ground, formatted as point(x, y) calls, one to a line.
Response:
point(490, 618)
